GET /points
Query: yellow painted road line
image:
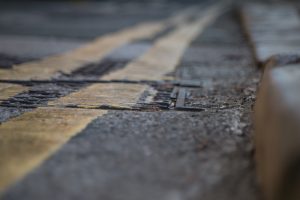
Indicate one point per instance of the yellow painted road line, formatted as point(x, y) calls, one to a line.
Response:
point(166, 53)
point(153, 65)
point(89, 53)
point(113, 94)
point(8, 90)
point(27, 140)
point(70, 61)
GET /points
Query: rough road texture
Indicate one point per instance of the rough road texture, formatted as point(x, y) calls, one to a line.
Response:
point(167, 155)
point(128, 155)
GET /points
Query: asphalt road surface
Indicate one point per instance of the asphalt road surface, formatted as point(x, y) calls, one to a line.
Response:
point(126, 101)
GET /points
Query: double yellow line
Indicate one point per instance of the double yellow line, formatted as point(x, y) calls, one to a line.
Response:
point(27, 140)
point(92, 52)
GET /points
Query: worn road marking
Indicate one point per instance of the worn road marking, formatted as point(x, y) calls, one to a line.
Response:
point(27, 140)
point(166, 53)
point(89, 53)
point(8, 90)
point(70, 61)
point(112, 94)
point(162, 58)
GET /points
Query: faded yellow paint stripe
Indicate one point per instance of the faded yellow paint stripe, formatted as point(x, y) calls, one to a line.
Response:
point(27, 140)
point(8, 90)
point(70, 61)
point(166, 53)
point(89, 53)
point(34, 136)
point(153, 65)
point(113, 94)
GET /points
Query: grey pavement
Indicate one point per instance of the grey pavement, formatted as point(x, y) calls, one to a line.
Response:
point(142, 155)
point(32, 30)
point(79, 20)
point(29, 47)
point(204, 153)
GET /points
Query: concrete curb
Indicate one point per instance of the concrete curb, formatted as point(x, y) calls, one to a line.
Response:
point(276, 112)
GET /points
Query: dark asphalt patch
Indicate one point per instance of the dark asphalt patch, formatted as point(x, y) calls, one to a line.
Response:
point(96, 70)
point(115, 60)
